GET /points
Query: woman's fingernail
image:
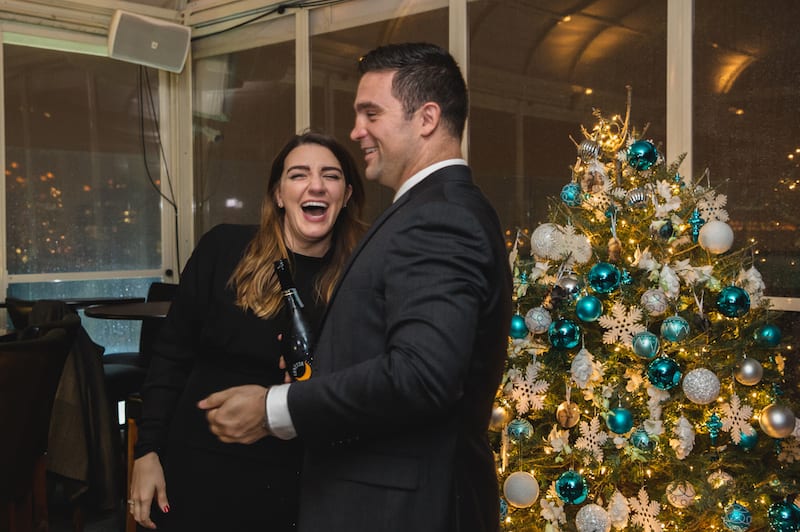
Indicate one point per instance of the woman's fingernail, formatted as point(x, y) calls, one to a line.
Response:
point(165, 509)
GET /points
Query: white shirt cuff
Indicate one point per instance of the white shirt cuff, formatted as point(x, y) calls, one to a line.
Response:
point(279, 420)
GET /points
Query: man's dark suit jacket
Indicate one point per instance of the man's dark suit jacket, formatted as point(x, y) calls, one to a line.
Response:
point(409, 358)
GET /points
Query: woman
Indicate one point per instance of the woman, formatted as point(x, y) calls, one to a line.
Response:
point(222, 330)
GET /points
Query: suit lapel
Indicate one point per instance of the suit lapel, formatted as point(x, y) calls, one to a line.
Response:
point(376, 225)
point(448, 173)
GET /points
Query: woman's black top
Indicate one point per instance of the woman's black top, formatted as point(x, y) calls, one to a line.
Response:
point(208, 344)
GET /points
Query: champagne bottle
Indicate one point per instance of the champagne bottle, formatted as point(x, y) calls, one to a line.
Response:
point(297, 342)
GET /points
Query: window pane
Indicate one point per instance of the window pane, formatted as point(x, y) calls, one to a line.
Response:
point(77, 183)
point(746, 130)
point(334, 78)
point(537, 69)
point(244, 113)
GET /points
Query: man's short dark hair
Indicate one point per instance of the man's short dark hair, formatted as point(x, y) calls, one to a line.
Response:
point(423, 73)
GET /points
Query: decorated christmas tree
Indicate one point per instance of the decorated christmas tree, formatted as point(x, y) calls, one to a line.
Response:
point(647, 385)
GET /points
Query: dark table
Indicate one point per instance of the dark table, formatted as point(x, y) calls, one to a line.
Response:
point(129, 311)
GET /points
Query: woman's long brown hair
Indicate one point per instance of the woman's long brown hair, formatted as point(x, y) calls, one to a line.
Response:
point(254, 279)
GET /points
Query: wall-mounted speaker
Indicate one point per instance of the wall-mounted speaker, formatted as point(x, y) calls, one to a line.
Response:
point(148, 41)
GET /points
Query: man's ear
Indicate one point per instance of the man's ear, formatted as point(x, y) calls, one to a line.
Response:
point(430, 113)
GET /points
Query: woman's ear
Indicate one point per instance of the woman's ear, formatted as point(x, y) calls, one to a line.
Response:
point(347, 194)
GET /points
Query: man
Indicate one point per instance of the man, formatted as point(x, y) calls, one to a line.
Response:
point(412, 346)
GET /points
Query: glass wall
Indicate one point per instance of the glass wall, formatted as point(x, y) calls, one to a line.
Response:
point(82, 179)
point(334, 78)
point(243, 114)
point(537, 70)
point(747, 132)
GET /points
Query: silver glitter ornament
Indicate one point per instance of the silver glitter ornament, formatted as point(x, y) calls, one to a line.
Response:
point(749, 372)
point(777, 421)
point(701, 386)
point(592, 518)
point(588, 150)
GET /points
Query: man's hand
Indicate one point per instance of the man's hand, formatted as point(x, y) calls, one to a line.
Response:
point(236, 415)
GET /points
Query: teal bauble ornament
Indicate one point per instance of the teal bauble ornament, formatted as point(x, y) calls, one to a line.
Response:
point(733, 302)
point(737, 517)
point(642, 154)
point(604, 278)
point(571, 487)
point(642, 440)
point(664, 373)
point(784, 516)
point(520, 429)
point(645, 344)
point(747, 441)
point(518, 328)
point(571, 194)
point(768, 335)
point(564, 334)
point(619, 420)
point(588, 308)
point(674, 329)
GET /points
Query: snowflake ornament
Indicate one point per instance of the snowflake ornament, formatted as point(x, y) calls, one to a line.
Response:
point(644, 512)
point(712, 207)
point(528, 391)
point(735, 418)
point(622, 324)
point(790, 451)
point(592, 439)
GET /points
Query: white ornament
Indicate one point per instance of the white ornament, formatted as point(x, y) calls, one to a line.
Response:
point(655, 302)
point(618, 510)
point(681, 494)
point(547, 240)
point(537, 320)
point(715, 237)
point(521, 489)
point(592, 518)
point(580, 249)
point(683, 443)
point(719, 478)
point(701, 386)
point(582, 368)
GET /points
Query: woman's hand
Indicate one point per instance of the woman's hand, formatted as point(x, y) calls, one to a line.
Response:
point(147, 481)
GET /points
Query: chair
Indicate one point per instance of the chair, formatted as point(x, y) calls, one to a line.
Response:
point(125, 372)
point(29, 375)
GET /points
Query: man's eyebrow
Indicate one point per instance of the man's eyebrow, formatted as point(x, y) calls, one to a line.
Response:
point(364, 106)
